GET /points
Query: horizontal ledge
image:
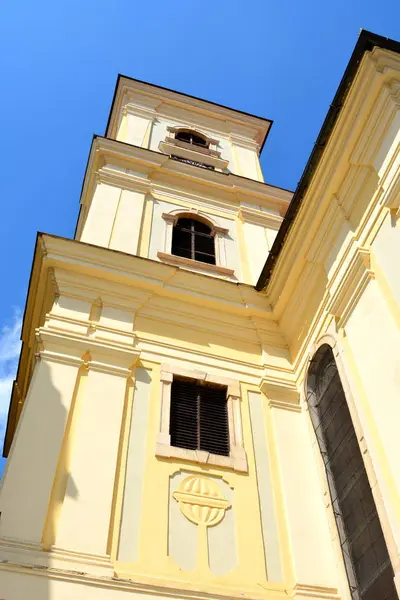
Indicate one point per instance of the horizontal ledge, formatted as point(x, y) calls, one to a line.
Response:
point(237, 460)
point(172, 259)
point(195, 155)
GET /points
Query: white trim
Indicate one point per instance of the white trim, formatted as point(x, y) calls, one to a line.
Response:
point(237, 459)
point(171, 149)
point(217, 231)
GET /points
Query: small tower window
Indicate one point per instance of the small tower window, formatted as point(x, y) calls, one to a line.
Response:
point(193, 239)
point(191, 138)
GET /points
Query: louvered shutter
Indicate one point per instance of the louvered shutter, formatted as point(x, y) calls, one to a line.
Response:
point(185, 402)
point(199, 417)
point(214, 433)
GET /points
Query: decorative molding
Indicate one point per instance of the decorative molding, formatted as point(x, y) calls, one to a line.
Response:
point(137, 110)
point(352, 284)
point(216, 229)
point(202, 150)
point(171, 218)
point(190, 154)
point(139, 584)
point(318, 592)
point(123, 180)
point(257, 217)
point(194, 213)
point(201, 501)
point(196, 265)
point(238, 139)
point(390, 195)
point(280, 393)
point(33, 556)
point(71, 348)
point(189, 128)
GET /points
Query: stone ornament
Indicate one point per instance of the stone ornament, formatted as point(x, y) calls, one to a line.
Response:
point(201, 501)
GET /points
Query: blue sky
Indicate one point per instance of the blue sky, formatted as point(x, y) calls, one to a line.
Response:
point(59, 62)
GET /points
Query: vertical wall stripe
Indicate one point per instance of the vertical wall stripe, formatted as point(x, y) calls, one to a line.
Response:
point(132, 505)
point(265, 492)
point(222, 554)
point(182, 534)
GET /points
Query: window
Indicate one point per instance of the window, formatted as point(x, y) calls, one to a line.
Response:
point(199, 417)
point(191, 138)
point(193, 148)
point(193, 239)
point(365, 554)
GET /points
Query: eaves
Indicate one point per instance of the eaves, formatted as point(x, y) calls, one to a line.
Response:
point(366, 42)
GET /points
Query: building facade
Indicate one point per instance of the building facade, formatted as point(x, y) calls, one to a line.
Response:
point(206, 404)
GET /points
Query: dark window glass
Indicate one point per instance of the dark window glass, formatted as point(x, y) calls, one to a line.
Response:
point(199, 417)
point(365, 554)
point(191, 138)
point(193, 239)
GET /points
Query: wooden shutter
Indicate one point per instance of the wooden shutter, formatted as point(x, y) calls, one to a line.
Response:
point(185, 402)
point(214, 433)
point(199, 417)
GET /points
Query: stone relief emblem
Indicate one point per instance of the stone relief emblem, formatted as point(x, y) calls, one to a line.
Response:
point(201, 501)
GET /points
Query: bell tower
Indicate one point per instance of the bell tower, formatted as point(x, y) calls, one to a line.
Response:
point(140, 182)
point(141, 457)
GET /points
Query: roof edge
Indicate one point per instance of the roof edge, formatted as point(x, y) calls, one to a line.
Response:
point(270, 122)
point(366, 42)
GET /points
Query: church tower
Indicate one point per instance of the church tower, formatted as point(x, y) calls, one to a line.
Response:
point(136, 437)
point(159, 442)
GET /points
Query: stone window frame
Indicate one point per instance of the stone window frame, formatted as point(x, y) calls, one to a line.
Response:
point(219, 233)
point(209, 155)
point(237, 459)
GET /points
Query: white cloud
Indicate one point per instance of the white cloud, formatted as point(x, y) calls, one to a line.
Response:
point(9, 353)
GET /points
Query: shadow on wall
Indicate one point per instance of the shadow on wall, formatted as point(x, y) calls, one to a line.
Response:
point(37, 478)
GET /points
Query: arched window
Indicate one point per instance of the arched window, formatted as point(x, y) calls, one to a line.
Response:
point(365, 554)
point(191, 138)
point(193, 239)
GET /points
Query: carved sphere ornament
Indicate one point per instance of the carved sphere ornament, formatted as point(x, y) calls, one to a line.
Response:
point(201, 500)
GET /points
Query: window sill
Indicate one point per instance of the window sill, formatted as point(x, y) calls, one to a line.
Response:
point(236, 460)
point(195, 155)
point(193, 264)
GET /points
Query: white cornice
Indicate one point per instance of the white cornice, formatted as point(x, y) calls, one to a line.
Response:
point(164, 101)
point(281, 392)
point(258, 217)
point(106, 153)
point(143, 274)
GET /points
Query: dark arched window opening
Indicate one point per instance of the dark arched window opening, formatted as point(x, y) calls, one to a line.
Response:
point(191, 138)
point(365, 553)
point(193, 239)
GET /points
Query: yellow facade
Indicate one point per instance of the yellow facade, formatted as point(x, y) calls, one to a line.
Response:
point(95, 501)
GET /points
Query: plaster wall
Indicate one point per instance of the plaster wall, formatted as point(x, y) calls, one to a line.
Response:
point(248, 163)
point(92, 470)
point(374, 343)
point(307, 525)
point(257, 244)
point(25, 492)
point(114, 219)
point(386, 249)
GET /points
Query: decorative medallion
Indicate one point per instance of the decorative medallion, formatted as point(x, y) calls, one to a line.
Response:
point(201, 501)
